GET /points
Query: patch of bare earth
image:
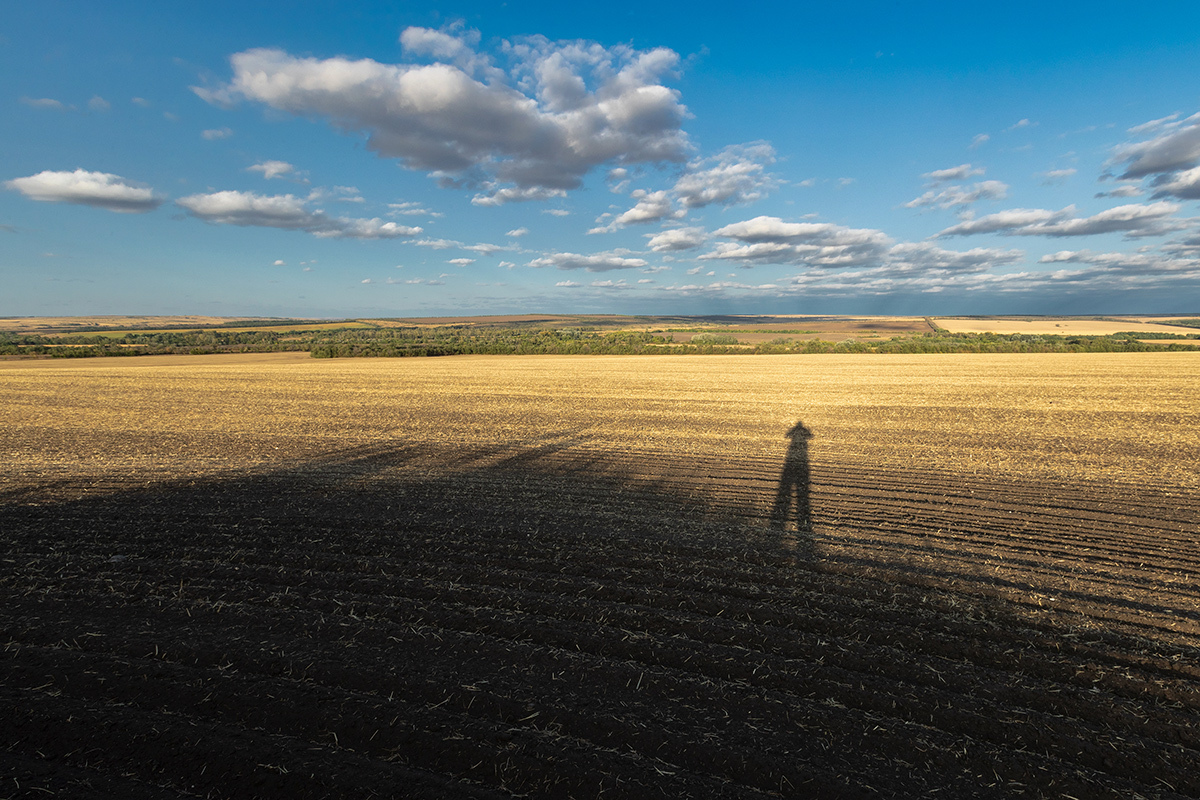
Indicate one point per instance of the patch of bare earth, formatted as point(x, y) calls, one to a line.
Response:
point(568, 577)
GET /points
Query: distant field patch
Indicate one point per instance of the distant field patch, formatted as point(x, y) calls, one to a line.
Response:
point(1056, 326)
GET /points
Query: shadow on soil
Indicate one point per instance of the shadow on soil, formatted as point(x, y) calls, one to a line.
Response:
point(792, 512)
point(476, 623)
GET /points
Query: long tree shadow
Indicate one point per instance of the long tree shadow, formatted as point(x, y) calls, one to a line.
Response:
point(791, 516)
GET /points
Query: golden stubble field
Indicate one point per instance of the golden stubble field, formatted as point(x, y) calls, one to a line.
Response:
point(565, 576)
point(1125, 417)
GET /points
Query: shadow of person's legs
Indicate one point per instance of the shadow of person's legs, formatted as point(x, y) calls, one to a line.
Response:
point(791, 515)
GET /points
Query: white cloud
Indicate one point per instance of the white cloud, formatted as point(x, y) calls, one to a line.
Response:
point(818, 244)
point(98, 189)
point(1006, 220)
point(597, 262)
point(562, 109)
point(618, 180)
point(735, 175)
point(1122, 191)
point(1133, 220)
point(1177, 147)
point(926, 258)
point(461, 262)
point(510, 194)
point(978, 141)
point(1023, 123)
point(99, 104)
point(279, 263)
point(140, 101)
point(486, 249)
point(428, 42)
point(651, 207)
point(568, 284)
point(288, 212)
point(44, 102)
point(556, 212)
point(213, 134)
point(436, 244)
point(515, 232)
point(959, 173)
point(1154, 124)
point(272, 169)
point(410, 209)
point(960, 196)
point(1054, 176)
point(1185, 185)
point(677, 239)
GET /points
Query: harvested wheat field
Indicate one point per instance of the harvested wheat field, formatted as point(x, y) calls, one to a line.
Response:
point(799, 576)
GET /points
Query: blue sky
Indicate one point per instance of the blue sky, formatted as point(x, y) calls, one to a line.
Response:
point(401, 159)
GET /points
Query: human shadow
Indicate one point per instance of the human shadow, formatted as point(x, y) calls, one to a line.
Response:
point(792, 513)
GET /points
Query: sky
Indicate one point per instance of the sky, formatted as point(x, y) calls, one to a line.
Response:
point(415, 159)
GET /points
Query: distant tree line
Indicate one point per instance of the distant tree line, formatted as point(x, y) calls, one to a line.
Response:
point(159, 343)
point(413, 341)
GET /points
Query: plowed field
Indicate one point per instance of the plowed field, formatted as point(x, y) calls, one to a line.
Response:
point(800, 576)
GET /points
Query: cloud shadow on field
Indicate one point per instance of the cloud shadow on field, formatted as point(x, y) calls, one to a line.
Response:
point(537, 618)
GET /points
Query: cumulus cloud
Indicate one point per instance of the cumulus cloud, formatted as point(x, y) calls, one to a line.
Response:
point(735, 175)
point(618, 179)
point(436, 244)
point(925, 258)
point(818, 244)
point(98, 189)
point(1176, 147)
point(461, 262)
point(597, 262)
point(960, 196)
point(1122, 191)
point(288, 212)
point(959, 173)
point(272, 169)
point(515, 232)
point(44, 102)
point(410, 209)
point(1054, 176)
point(651, 207)
point(485, 248)
point(1185, 185)
point(531, 132)
point(512, 194)
point(677, 239)
point(1134, 220)
point(1009, 220)
point(1141, 270)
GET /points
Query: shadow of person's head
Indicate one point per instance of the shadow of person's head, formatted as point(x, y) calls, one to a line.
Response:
point(799, 431)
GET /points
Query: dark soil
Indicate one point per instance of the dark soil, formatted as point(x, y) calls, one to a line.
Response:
point(388, 624)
